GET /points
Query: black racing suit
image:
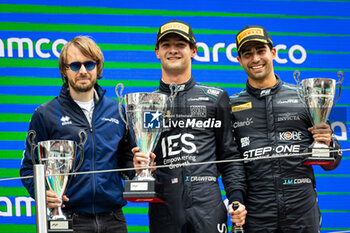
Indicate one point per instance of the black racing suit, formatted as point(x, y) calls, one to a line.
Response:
point(198, 129)
point(281, 195)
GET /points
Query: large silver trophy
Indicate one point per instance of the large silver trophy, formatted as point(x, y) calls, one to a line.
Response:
point(144, 112)
point(58, 158)
point(317, 94)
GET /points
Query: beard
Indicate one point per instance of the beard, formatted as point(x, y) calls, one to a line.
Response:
point(82, 87)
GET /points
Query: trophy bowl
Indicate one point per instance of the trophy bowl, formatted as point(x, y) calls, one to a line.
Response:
point(144, 113)
point(318, 95)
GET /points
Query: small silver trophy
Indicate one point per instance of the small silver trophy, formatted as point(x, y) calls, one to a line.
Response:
point(144, 113)
point(58, 157)
point(317, 94)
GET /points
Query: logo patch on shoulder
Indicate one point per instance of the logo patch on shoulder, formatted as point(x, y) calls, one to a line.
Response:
point(242, 107)
point(213, 92)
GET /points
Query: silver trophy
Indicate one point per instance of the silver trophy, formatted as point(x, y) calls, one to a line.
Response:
point(144, 112)
point(58, 157)
point(317, 94)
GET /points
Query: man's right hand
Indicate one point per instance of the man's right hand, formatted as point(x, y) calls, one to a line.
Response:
point(141, 160)
point(53, 200)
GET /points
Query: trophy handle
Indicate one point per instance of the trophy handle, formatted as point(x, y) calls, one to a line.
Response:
point(173, 93)
point(296, 76)
point(83, 137)
point(121, 100)
point(341, 79)
point(30, 138)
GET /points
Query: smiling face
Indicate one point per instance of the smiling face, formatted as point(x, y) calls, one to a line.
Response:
point(257, 60)
point(81, 80)
point(175, 55)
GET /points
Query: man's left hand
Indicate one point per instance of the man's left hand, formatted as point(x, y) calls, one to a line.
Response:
point(237, 216)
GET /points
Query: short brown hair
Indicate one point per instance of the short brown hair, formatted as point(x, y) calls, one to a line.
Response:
point(192, 44)
point(88, 48)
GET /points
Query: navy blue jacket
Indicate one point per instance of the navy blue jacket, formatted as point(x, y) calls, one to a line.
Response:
point(107, 147)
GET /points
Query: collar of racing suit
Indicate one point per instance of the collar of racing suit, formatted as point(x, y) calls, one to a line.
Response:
point(261, 93)
point(181, 87)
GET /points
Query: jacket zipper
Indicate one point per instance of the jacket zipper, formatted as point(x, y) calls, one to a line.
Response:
point(93, 160)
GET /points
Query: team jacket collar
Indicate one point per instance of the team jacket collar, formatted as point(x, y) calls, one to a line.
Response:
point(181, 87)
point(66, 95)
point(261, 93)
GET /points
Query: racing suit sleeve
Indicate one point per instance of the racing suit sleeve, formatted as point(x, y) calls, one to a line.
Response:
point(337, 155)
point(233, 174)
point(36, 124)
point(125, 156)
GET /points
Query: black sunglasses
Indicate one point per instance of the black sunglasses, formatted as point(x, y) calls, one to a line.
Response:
point(89, 65)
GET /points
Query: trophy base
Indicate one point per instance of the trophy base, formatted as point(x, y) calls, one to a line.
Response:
point(320, 156)
point(60, 226)
point(142, 191)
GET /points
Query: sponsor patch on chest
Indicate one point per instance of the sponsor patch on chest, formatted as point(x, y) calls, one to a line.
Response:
point(242, 107)
point(297, 181)
point(198, 110)
point(65, 120)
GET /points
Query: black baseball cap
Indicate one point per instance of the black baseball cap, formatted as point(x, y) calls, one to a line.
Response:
point(178, 27)
point(252, 33)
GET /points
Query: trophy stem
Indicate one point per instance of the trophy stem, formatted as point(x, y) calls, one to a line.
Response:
point(57, 214)
point(317, 145)
point(145, 175)
point(320, 155)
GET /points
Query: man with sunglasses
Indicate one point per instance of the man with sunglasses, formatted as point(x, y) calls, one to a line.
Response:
point(93, 201)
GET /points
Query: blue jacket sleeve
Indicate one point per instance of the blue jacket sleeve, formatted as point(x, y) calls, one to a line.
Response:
point(125, 156)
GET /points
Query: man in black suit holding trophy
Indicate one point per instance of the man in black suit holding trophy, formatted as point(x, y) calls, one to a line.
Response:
point(197, 128)
point(270, 119)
